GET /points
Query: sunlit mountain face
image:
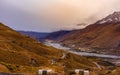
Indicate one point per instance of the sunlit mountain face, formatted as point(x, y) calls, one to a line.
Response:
point(53, 15)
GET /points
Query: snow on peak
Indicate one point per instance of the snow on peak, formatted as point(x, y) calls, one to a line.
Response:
point(112, 18)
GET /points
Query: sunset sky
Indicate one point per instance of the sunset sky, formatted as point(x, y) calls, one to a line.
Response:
point(52, 15)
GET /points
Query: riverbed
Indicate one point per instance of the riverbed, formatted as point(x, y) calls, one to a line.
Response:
point(57, 45)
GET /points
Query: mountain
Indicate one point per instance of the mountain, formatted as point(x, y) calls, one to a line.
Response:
point(21, 54)
point(43, 36)
point(57, 35)
point(101, 37)
point(112, 18)
point(37, 35)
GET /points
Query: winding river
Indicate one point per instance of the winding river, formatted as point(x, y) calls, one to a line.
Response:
point(57, 45)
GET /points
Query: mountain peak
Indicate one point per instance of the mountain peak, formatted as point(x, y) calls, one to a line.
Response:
point(112, 18)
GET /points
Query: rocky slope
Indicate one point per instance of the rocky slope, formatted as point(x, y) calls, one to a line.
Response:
point(102, 36)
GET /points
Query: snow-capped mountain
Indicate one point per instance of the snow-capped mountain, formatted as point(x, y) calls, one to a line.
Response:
point(101, 37)
point(112, 18)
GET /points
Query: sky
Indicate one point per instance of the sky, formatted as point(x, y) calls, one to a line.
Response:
point(53, 15)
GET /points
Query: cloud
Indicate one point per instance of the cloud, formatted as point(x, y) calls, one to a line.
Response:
point(51, 15)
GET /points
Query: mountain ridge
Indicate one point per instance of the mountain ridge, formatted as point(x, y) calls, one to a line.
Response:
point(97, 37)
point(112, 18)
point(42, 36)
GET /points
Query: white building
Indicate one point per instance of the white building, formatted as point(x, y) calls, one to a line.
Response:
point(41, 72)
point(84, 72)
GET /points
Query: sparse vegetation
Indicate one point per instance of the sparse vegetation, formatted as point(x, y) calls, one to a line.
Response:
point(22, 54)
point(19, 53)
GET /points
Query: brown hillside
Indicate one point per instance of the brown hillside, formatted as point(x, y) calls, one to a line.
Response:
point(96, 36)
point(102, 36)
point(20, 53)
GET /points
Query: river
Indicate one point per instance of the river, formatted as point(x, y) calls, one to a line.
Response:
point(57, 45)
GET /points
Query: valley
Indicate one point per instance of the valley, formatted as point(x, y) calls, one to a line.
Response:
point(103, 38)
point(111, 58)
point(59, 37)
point(21, 54)
point(57, 45)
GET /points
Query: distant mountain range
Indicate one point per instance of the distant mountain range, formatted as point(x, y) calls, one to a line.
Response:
point(37, 35)
point(57, 35)
point(101, 37)
point(42, 36)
